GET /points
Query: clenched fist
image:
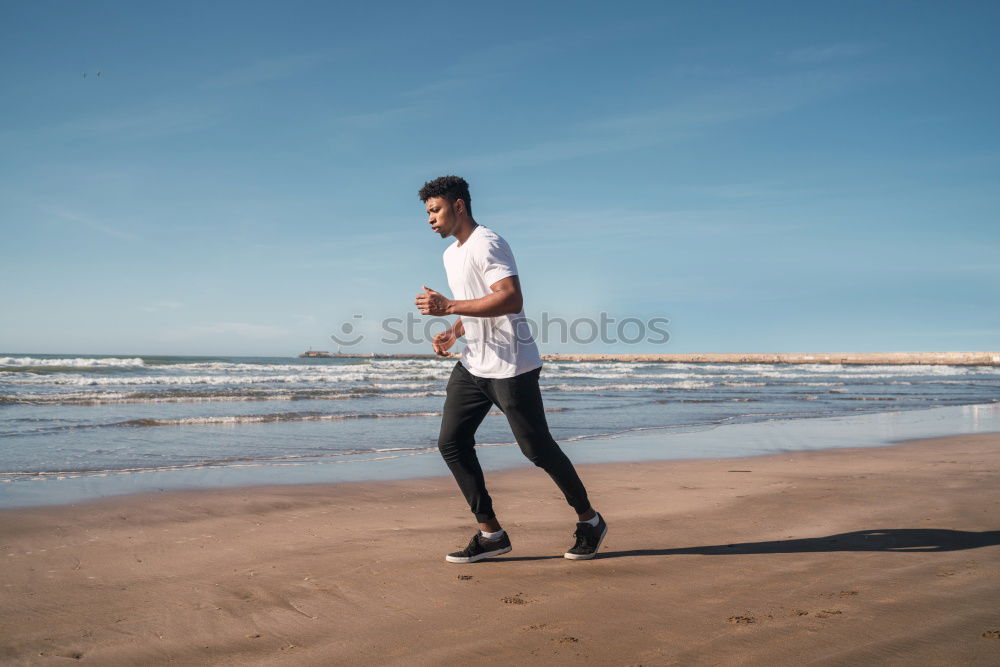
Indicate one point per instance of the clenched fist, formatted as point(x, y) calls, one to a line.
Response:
point(432, 303)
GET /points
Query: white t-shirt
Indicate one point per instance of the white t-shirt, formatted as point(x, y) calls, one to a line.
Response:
point(495, 347)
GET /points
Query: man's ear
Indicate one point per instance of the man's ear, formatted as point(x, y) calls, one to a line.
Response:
point(460, 206)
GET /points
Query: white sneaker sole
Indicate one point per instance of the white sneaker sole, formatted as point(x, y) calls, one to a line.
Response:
point(473, 559)
point(600, 541)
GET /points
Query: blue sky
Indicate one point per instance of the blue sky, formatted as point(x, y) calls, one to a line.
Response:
point(242, 177)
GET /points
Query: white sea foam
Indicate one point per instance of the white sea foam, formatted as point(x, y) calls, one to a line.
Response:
point(112, 397)
point(228, 367)
point(602, 366)
point(409, 364)
point(693, 384)
point(73, 379)
point(77, 362)
point(231, 420)
point(419, 394)
point(402, 385)
point(375, 370)
point(889, 370)
point(594, 375)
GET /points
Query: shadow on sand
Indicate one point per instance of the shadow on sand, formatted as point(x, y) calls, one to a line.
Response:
point(891, 539)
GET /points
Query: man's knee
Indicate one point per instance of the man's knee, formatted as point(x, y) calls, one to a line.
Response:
point(542, 452)
point(453, 449)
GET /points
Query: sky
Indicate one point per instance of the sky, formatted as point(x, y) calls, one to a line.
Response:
point(242, 177)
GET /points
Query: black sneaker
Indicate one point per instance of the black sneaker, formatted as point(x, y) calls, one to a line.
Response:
point(480, 548)
point(588, 540)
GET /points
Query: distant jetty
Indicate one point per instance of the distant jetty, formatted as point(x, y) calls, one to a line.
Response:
point(861, 358)
point(855, 358)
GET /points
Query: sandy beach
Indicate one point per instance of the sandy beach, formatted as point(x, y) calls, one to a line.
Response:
point(887, 555)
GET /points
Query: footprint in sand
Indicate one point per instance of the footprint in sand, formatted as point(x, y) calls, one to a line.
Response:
point(514, 599)
point(991, 634)
point(742, 620)
point(841, 594)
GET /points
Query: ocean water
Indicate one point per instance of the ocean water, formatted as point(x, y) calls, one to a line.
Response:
point(69, 422)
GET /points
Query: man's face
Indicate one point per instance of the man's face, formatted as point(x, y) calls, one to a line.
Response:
point(441, 216)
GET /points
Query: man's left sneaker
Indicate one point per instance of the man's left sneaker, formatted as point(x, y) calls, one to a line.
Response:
point(480, 548)
point(588, 540)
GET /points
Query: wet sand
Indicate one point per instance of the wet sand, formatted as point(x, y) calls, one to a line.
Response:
point(887, 555)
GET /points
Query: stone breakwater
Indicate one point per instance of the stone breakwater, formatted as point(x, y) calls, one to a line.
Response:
point(896, 358)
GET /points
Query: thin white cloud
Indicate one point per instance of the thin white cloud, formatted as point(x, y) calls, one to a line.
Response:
point(158, 306)
point(371, 120)
point(442, 87)
point(823, 54)
point(268, 69)
point(143, 123)
point(511, 56)
point(747, 191)
point(746, 99)
point(65, 215)
point(542, 152)
point(741, 101)
point(671, 224)
point(954, 332)
point(244, 330)
point(474, 70)
point(990, 268)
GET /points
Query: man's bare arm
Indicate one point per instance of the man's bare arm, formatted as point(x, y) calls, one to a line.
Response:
point(505, 299)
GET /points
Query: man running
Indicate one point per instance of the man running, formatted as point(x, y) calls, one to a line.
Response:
point(499, 366)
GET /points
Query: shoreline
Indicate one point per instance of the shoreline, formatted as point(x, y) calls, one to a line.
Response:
point(838, 556)
point(715, 441)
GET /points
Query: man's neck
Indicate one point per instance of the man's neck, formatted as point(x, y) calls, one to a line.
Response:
point(465, 230)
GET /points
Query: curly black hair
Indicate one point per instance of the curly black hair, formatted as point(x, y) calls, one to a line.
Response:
point(449, 187)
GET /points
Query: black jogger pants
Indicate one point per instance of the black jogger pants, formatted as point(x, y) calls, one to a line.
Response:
point(469, 399)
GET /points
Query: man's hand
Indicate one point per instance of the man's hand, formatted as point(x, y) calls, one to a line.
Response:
point(432, 303)
point(504, 299)
point(443, 341)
